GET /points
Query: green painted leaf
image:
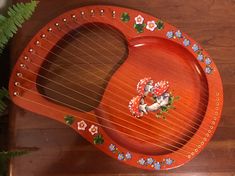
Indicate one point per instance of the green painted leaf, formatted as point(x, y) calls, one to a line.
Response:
point(160, 25)
point(98, 139)
point(69, 119)
point(139, 27)
point(125, 17)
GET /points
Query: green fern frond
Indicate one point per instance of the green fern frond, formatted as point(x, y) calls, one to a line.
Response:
point(17, 15)
point(3, 95)
point(12, 154)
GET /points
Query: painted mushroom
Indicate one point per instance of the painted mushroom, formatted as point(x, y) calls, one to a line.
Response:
point(144, 86)
point(160, 88)
point(137, 106)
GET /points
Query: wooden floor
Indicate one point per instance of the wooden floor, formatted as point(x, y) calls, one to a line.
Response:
point(62, 152)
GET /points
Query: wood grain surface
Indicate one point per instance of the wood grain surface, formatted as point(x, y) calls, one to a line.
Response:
point(62, 152)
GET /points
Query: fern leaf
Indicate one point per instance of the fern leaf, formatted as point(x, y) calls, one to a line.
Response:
point(3, 95)
point(17, 15)
point(12, 154)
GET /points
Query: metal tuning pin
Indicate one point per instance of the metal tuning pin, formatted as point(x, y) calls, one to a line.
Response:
point(23, 66)
point(57, 25)
point(49, 29)
point(92, 13)
point(30, 50)
point(17, 84)
point(37, 43)
point(26, 58)
point(64, 20)
point(82, 14)
point(19, 74)
point(43, 36)
point(74, 17)
point(16, 94)
point(101, 12)
point(113, 14)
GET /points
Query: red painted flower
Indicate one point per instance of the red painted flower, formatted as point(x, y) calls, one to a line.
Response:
point(160, 87)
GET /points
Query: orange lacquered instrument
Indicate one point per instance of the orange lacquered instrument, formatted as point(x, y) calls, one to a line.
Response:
point(136, 87)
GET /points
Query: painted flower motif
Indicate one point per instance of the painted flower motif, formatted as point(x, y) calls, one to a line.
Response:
point(178, 34)
point(186, 42)
point(208, 61)
point(112, 147)
point(170, 34)
point(150, 161)
point(139, 19)
point(157, 166)
point(160, 24)
point(69, 119)
point(151, 25)
point(141, 161)
point(125, 17)
point(195, 47)
point(121, 156)
point(169, 161)
point(208, 69)
point(93, 129)
point(128, 155)
point(82, 125)
point(200, 57)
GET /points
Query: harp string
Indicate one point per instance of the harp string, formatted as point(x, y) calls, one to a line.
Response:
point(132, 74)
point(115, 33)
point(147, 129)
point(184, 152)
point(154, 126)
point(157, 121)
point(129, 66)
point(188, 97)
point(182, 104)
point(104, 126)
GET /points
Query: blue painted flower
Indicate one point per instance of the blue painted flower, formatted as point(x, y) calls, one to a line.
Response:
point(178, 34)
point(157, 166)
point(200, 57)
point(128, 155)
point(208, 69)
point(149, 161)
point(186, 42)
point(121, 156)
point(112, 147)
point(169, 161)
point(195, 47)
point(141, 161)
point(169, 34)
point(208, 61)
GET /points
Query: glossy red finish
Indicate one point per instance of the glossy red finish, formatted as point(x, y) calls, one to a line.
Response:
point(201, 93)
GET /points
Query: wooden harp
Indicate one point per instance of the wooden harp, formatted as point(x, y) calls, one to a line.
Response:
point(136, 87)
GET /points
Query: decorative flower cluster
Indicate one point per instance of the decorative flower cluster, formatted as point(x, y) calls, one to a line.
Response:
point(195, 48)
point(97, 138)
point(120, 155)
point(155, 164)
point(139, 24)
point(150, 25)
point(162, 100)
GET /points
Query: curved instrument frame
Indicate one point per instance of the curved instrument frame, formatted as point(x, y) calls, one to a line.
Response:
point(57, 112)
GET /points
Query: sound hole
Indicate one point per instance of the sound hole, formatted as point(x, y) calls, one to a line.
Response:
point(87, 59)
